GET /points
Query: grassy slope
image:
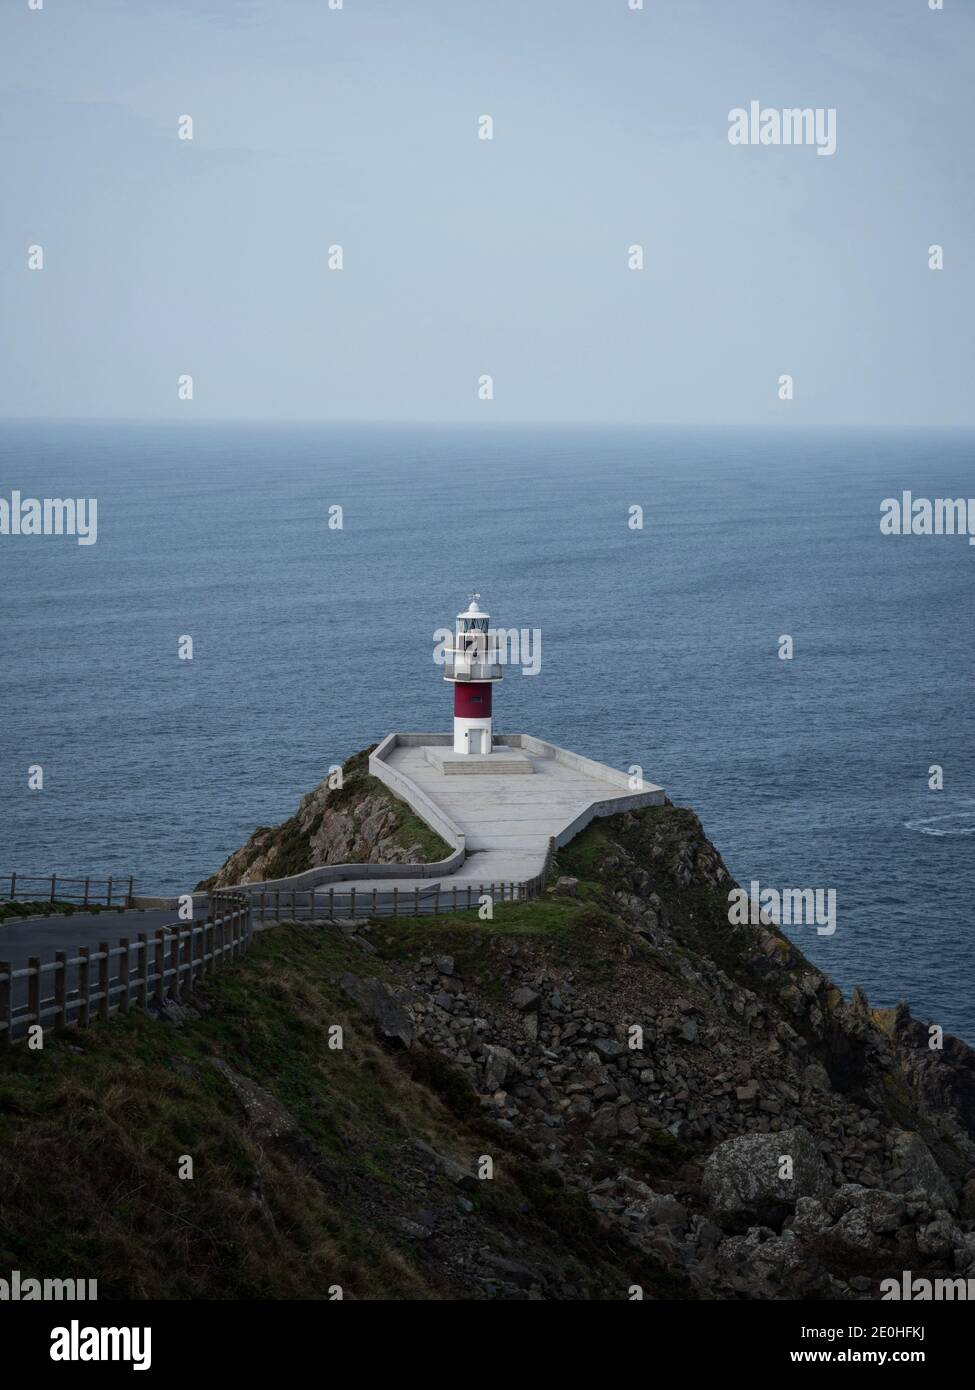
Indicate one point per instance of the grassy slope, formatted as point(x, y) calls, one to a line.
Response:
point(92, 1129)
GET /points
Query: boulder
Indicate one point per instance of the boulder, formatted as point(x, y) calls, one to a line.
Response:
point(911, 1154)
point(741, 1178)
point(499, 1062)
point(267, 1118)
point(865, 1215)
point(449, 1167)
point(525, 1000)
point(394, 1021)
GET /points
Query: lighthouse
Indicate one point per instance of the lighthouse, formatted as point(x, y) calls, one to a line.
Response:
point(473, 668)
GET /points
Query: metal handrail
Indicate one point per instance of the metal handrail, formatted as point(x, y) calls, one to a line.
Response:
point(59, 887)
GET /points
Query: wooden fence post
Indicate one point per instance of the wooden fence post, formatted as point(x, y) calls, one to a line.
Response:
point(13, 887)
point(109, 903)
point(34, 990)
point(84, 987)
point(87, 886)
point(54, 879)
point(124, 971)
point(128, 900)
point(61, 989)
point(104, 966)
point(416, 902)
point(174, 952)
point(144, 972)
point(395, 901)
point(352, 902)
point(7, 1000)
point(159, 993)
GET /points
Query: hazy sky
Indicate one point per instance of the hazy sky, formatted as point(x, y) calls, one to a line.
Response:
point(463, 256)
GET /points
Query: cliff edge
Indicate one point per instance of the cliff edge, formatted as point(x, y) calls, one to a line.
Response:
point(607, 1087)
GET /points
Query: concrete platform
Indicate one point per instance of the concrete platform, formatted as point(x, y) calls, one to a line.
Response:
point(509, 821)
point(503, 762)
point(500, 827)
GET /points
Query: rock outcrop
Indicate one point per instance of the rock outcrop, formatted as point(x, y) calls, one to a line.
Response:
point(359, 821)
point(712, 1095)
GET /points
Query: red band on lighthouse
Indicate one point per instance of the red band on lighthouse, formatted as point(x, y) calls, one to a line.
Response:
point(472, 700)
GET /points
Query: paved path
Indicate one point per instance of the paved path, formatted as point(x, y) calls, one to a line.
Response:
point(507, 820)
point(21, 938)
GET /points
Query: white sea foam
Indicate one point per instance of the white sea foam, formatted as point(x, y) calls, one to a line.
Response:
point(954, 823)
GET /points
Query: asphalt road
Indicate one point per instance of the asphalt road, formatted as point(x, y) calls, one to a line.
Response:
point(23, 937)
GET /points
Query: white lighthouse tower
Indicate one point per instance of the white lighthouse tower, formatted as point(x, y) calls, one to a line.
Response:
point(473, 668)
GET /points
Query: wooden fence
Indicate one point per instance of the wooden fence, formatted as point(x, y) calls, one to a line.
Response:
point(112, 892)
point(295, 904)
point(111, 979)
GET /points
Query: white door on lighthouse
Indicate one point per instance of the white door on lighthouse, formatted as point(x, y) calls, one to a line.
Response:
point(474, 737)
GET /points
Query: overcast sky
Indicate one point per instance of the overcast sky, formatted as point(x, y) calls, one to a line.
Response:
point(462, 256)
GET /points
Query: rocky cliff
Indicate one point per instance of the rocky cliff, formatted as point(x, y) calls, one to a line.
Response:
point(713, 1096)
point(359, 821)
point(606, 1089)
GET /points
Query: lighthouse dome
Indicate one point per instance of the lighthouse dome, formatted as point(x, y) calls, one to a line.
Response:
point(474, 611)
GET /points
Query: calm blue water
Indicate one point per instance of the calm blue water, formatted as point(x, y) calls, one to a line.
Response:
point(659, 647)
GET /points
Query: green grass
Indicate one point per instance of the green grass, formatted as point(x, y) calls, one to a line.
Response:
point(93, 1126)
point(565, 928)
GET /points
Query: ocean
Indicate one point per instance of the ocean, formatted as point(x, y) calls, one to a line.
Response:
point(660, 647)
